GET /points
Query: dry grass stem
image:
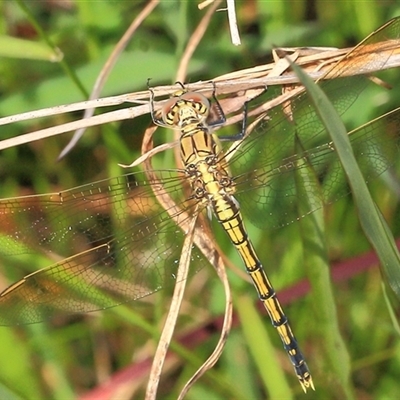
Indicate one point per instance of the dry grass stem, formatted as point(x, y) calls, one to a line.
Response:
point(107, 68)
point(194, 42)
point(360, 60)
point(227, 324)
point(233, 27)
point(173, 313)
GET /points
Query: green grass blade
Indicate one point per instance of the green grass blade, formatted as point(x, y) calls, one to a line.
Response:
point(260, 346)
point(334, 357)
point(373, 225)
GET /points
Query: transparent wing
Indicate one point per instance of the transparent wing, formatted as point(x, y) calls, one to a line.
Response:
point(126, 246)
point(268, 195)
point(291, 136)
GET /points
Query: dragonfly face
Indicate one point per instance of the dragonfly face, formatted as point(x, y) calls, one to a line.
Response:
point(184, 108)
point(131, 243)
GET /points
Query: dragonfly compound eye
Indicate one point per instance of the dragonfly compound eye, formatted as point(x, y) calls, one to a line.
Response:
point(169, 111)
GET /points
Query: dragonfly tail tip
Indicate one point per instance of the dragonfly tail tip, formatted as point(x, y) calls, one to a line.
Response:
point(306, 382)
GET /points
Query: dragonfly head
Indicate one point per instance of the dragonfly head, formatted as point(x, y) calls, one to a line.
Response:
point(185, 108)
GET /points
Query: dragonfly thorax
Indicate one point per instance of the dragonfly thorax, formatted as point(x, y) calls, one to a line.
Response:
point(209, 180)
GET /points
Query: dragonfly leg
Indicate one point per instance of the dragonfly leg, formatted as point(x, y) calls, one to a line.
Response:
point(240, 135)
point(219, 118)
point(156, 121)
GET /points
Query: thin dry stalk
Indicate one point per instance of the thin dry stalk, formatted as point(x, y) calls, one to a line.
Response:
point(216, 354)
point(194, 42)
point(364, 59)
point(233, 27)
point(45, 133)
point(204, 4)
point(173, 313)
point(107, 68)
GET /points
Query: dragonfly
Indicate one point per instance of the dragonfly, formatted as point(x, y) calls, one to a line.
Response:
point(212, 186)
point(126, 246)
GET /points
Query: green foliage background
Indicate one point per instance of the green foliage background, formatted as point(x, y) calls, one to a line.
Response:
point(69, 358)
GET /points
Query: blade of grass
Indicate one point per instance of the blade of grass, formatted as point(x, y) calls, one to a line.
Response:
point(254, 329)
point(372, 222)
point(27, 49)
point(46, 38)
point(17, 380)
point(334, 356)
point(43, 344)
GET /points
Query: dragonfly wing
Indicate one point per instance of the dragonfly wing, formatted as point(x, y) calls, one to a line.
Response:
point(131, 247)
point(291, 136)
point(270, 189)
